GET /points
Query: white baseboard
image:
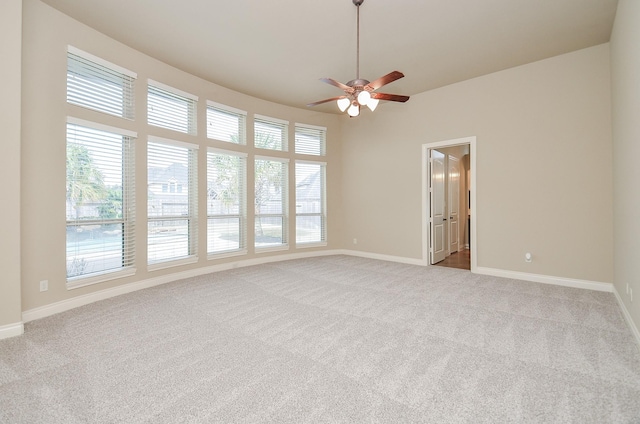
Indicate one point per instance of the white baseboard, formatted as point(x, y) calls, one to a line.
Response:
point(75, 302)
point(378, 256)
point(546, 279)
point(627, 317)
point(11, 330)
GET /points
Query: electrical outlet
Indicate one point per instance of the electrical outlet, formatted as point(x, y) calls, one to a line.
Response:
point(528, 257)
point(44, 285)
point(355, 241)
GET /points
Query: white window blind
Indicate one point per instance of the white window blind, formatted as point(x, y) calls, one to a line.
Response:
point(171, 108)
point(100, 204)
point(310, 203)
point(172, 200)
point(226, 202)
point(271, 202)
point(226, 124)
point(97, 84)
point(310, 140)
point(270, 133)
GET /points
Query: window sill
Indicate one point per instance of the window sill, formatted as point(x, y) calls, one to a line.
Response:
point(77, 282)
point(311, 244)
point(228, 254)
point(172, 263)
point(267, 249)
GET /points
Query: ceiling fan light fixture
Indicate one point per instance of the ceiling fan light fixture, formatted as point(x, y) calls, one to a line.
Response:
point(358, 92)
point(354, 110)
point(364, 97)
point(343, 104)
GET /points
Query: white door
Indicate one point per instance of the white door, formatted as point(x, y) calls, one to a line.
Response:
point(438, 218)
point(454, 203)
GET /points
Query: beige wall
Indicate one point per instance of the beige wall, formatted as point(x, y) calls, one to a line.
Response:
point(10, 110)
point(543, 170)
point(543, 162)
point(46, 36)
point(625, 74)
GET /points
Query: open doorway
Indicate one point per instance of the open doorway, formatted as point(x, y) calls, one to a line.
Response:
point(449, 221)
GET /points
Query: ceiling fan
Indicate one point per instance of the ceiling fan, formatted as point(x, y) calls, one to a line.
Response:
point(361, 92)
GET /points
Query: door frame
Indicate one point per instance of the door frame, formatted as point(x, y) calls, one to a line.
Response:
point(426, 205)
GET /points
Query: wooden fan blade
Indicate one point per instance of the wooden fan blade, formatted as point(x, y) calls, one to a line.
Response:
point(390, 77)
point(325, 101)
point(340, 85)
point(390, 97)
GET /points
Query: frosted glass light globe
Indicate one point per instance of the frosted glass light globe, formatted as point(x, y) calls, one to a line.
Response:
point(364, 97)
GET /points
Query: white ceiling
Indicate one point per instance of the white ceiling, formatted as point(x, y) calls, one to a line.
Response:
point(278, 49)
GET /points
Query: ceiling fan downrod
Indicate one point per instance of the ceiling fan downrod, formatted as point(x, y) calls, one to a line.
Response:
point(361, 92)
point(358, 3)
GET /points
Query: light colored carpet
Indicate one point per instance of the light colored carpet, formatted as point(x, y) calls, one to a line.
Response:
point(334, 339)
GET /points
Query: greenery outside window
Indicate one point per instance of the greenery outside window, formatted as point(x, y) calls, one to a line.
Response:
point(270, 133)
point(100, 204)
point(226, 202)
point(271, 202)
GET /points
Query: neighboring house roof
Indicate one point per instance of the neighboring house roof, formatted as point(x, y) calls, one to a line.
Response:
point(308, 188)
point(175, 172)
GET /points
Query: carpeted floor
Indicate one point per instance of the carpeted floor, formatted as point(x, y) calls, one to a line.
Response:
point(334, 339)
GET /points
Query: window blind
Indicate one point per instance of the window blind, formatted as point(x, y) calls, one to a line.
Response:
point(310, 140)
point(271, 202)
point(226, 201)
point(171, 108)
point(226, 124)
point(270, 133)
point(100, 203)
point(310, 202)
point(172, 200)
point(97, 84)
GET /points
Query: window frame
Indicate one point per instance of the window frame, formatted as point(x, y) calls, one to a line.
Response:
point(281, 124)
point(127, 222)
point(323, 205)
point(158, 89)
point(192, 205)
point(284, 199)
point(240, 114)
point(300, 148)
point(96, 90)
point(242, 207)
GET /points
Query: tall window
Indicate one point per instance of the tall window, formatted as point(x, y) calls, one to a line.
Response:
point(172, 200)
point(168, 107)
point(311, 214)
point(271, 202)
point(226, 124)
point(97, 84)
point(226, 202)
point(100, 201)
point(310, 140)
point(270, 133)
